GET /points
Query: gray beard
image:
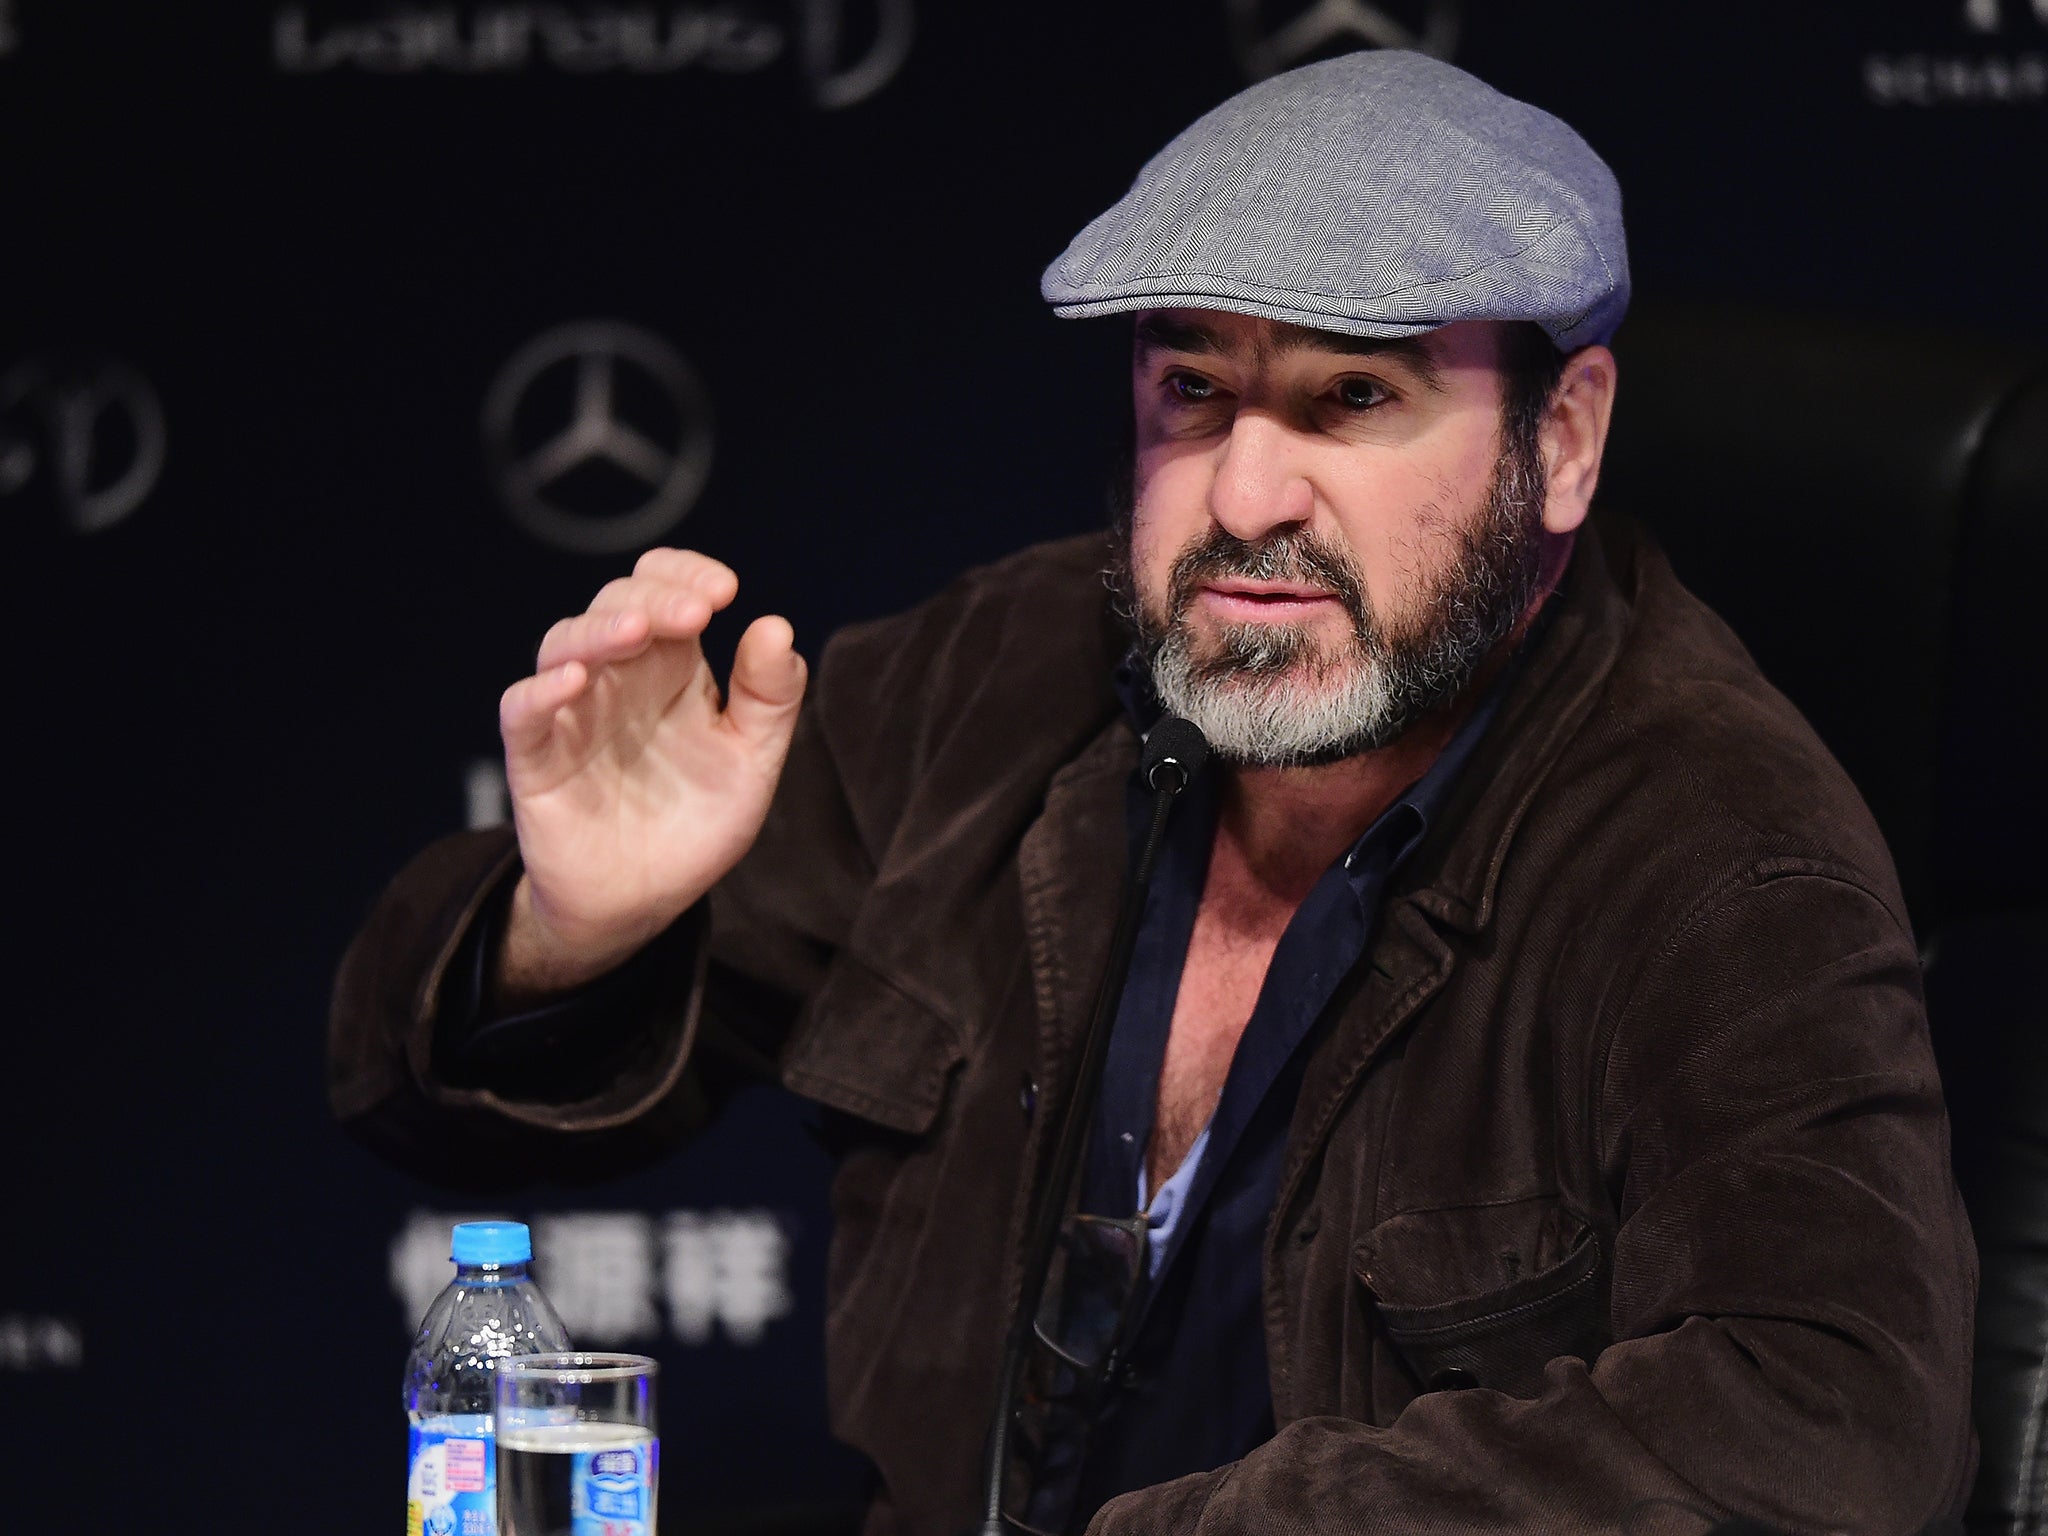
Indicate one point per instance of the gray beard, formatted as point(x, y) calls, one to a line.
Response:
point(1269, 695)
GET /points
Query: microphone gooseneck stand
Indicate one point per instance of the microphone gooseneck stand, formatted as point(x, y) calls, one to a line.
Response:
point(1175, 751)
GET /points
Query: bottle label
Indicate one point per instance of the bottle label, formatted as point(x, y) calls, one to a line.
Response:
point(452, 1486)
point(612, 1491)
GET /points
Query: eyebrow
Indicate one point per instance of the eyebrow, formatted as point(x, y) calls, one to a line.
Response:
point(1162, 332)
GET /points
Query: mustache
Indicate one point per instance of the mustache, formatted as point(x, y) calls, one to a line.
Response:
point(1293, 556)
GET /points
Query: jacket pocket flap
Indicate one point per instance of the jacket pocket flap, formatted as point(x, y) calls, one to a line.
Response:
point(867, 1047)
point(1427, 1273)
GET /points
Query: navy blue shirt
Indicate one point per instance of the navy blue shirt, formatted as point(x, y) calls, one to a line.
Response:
point(1196, 1395)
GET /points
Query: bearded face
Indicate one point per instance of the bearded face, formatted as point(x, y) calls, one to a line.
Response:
point(1273, 692)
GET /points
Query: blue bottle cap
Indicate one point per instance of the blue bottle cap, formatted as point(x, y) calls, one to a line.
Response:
point(492, 1242)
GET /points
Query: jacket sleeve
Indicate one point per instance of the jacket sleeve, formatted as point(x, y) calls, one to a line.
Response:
point(1792, 1275)
point(709, 1002)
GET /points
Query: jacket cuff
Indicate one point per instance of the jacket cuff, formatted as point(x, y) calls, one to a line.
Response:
point(386, 993)
point(595, 1061)
point(560, 1052)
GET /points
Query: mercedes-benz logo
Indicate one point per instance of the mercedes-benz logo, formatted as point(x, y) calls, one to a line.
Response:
point(597, 435)
point(1265, 48)
point(90, 430)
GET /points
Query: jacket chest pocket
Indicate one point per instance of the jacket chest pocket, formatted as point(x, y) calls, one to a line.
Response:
point(1487, 1296)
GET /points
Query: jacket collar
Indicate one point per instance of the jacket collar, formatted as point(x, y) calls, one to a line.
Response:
point(1456, 872)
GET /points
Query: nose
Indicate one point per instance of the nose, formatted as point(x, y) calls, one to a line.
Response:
point(1259, 485)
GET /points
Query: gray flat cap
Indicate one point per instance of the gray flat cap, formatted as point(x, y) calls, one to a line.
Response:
point(1378, 194)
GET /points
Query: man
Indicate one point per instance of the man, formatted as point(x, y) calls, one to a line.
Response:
point(1522, 1075)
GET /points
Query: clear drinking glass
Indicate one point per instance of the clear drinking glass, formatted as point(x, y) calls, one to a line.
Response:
point(577, 1450)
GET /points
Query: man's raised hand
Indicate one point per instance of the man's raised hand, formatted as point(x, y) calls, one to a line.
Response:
point(634, 787)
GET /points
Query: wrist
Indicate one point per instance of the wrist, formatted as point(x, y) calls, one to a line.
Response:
point(540, 958)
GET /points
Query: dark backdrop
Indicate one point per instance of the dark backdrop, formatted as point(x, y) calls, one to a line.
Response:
point(289, 294)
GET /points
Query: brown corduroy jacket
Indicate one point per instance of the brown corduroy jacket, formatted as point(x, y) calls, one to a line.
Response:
point(1618, 1187)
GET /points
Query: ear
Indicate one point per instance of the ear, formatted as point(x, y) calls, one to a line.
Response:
point(1574, 435)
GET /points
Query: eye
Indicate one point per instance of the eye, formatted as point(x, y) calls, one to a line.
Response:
point(1361, 394)
point(1189, 388)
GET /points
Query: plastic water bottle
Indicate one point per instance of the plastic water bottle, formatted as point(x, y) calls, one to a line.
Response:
point(491, 1309)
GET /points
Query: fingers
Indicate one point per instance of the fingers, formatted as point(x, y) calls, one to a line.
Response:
point(527, 710)
point(671, 595)
point(711, 579)
point(767, 684)
point(615, 633)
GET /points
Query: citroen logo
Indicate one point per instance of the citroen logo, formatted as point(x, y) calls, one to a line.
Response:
point(91, 431)
point(597, 435)
point(1265, 49)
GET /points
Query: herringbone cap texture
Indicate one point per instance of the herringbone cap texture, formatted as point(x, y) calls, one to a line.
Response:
point(1377, 194)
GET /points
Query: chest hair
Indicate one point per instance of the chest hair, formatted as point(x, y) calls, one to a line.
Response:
point(1237, 927)
point(1277, 833)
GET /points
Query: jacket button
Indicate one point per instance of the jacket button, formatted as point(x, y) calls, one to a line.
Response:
point(1451, 1378)
point(1027, 1097)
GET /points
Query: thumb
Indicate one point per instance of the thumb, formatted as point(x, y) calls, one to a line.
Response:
point(767, 684)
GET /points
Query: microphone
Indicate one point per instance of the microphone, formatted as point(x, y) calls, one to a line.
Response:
point(1175, 750)
point(1174, 747)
